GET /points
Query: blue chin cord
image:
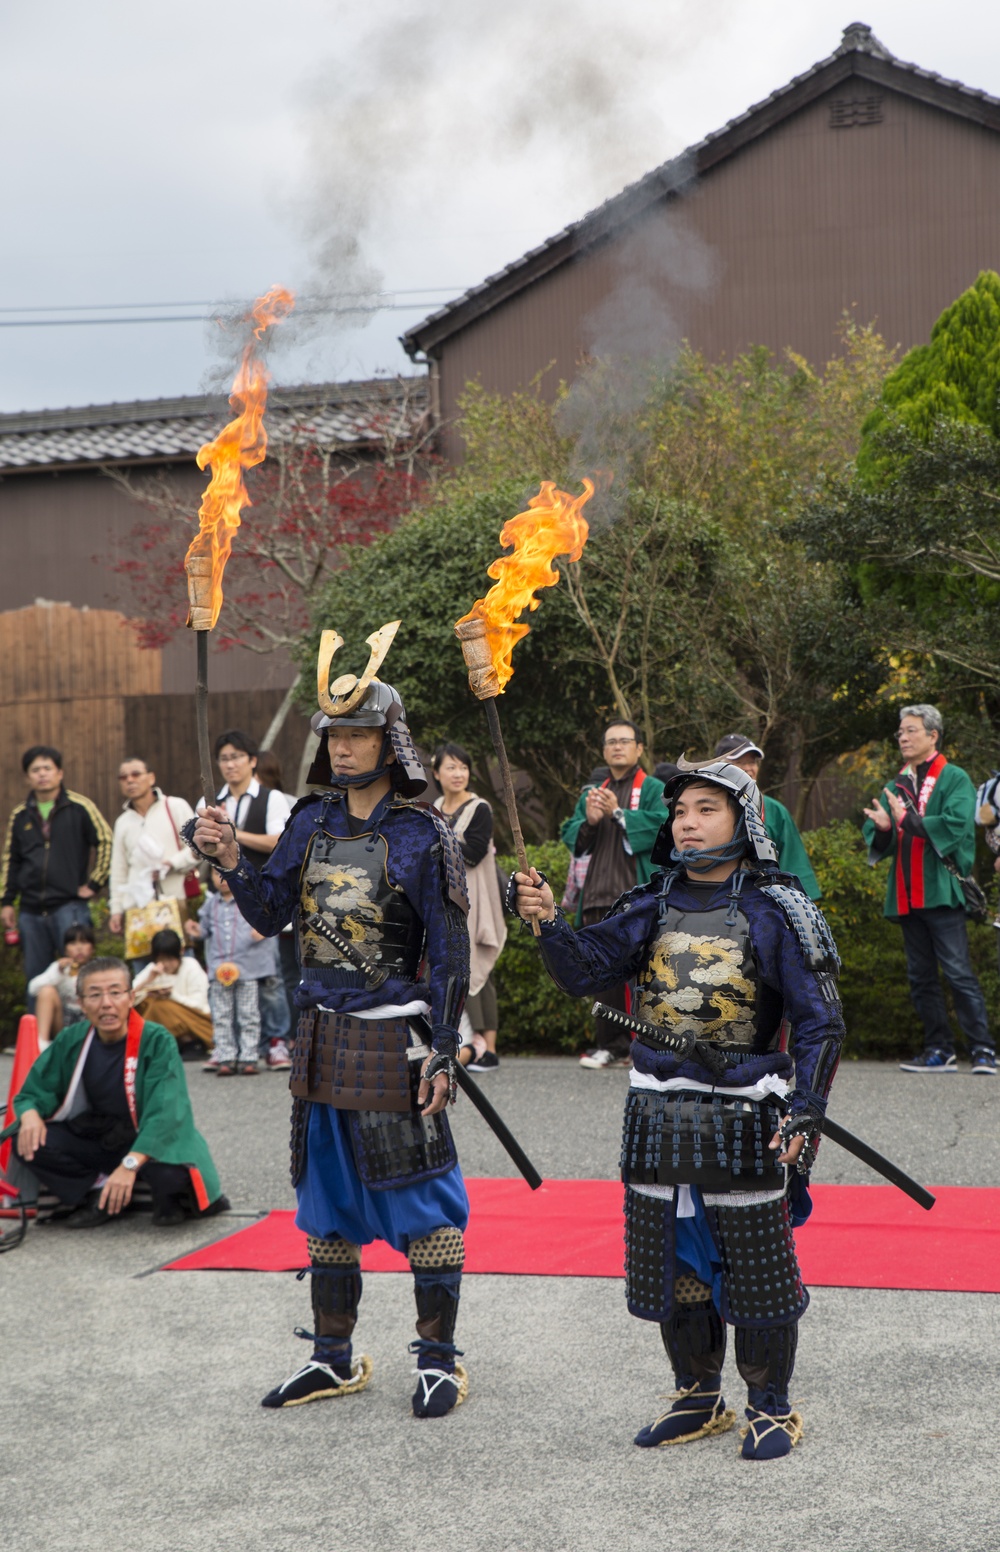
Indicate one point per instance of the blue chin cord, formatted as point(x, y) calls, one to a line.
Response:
point(696, 862)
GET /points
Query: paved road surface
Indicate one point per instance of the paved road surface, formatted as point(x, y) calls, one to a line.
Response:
point(132, 1417)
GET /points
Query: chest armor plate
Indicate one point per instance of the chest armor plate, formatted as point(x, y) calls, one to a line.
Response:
point(700, 977)
point(345, 880)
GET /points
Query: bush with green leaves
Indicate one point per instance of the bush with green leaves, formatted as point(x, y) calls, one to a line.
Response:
point(535, 1016)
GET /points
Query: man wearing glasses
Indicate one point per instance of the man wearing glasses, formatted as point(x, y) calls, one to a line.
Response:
point(615, 825)
point(922, 821)
point(106, 1102)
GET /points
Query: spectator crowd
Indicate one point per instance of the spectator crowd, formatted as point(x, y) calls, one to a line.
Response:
point(222, 993)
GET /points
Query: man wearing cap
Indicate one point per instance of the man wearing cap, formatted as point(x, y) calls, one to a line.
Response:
point(778, 822)
point(372, 1153)
point(721, 1124)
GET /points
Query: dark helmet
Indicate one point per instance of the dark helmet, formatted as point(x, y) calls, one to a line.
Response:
point(382, 707)
point(739, 785)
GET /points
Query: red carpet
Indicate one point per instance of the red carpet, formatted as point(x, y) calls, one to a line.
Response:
point(857, 1237)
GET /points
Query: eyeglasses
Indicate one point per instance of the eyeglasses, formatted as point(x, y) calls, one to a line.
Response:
point(232, 759)
point(116, 995)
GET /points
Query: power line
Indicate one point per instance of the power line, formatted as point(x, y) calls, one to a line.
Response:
point(342, 296)
point(69, 323)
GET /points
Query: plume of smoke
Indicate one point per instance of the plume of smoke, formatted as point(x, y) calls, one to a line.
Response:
point(632, 339)
point(438, 98)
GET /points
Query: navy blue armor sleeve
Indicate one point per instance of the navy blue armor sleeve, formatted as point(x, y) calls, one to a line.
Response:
point(415, 863)
point(268, 898)
point(811, 1003)
point(595, 958)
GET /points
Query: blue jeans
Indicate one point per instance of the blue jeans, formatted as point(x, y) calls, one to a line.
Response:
point(42, 936)
point(938, 937)
point(275, 1014)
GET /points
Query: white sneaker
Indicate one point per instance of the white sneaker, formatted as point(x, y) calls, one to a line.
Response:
point(278, 1056)
point(601, 1058)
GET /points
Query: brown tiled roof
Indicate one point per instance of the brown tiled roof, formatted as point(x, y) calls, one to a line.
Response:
point(859, 53)
point(172, 430)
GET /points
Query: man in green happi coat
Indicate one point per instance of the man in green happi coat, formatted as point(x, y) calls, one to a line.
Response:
point(610, 836)
point(926, 814)
point(107, 1102)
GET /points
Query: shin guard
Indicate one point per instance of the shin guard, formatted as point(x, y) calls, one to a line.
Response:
point(694, 1336)
point(436, 1261)
point(336, 1293)
point(766, 1360)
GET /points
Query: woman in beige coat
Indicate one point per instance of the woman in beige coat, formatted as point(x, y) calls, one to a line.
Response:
point(471, 818)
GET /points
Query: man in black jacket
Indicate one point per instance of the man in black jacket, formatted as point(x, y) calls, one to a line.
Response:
point(56, 856)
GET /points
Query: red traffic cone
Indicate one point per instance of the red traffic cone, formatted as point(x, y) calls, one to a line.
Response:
point(25, 1054)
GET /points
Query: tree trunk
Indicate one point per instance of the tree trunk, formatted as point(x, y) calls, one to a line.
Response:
point(281, 715)
point(309, 749)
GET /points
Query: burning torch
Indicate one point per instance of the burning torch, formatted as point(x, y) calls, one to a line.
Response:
point(551, 526)
point(239, 446)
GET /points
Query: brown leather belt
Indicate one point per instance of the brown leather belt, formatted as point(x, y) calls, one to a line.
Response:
point(351, 1063)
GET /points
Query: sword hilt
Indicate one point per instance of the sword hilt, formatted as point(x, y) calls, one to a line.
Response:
point(350, 951)
point(683, 1046)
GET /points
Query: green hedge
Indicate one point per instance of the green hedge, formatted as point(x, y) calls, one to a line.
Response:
point(880, 1018)
point(534, 1015)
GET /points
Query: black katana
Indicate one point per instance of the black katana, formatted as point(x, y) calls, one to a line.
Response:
point(376, 977)
point(689, 1045)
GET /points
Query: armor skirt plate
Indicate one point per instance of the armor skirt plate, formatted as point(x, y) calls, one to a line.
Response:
point(749, 1258)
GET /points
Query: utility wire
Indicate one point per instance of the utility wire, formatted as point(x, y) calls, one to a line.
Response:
point(364, 308)
point(69, 323)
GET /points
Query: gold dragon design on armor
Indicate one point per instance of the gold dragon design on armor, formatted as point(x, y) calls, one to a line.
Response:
point(698, 984)
point(347, 894)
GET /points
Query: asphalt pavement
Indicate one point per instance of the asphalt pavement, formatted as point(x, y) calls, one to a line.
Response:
point(132, 1396)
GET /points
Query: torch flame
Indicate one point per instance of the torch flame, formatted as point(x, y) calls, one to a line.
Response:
point(240, 445)
point(552, 526)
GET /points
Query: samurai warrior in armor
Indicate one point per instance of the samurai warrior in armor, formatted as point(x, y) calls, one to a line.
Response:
point(723, 954)
point(372, 1152)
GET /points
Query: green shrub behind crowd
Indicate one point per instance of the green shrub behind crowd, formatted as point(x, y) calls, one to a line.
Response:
point(534, 1014)
point(880, 1019)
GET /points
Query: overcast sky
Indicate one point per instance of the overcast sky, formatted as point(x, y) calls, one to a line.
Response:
point(184, 156)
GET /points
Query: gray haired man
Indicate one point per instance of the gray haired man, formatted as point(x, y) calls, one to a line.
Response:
point(926, 814)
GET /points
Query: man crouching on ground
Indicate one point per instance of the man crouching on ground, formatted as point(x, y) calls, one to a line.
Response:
point(107, 1102)
point(721, 948)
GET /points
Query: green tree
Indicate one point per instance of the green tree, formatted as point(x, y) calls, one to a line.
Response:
point(690, 611)
point(954, 377)
point(915, 524)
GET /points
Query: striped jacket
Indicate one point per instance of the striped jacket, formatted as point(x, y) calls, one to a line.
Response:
point(47, 872)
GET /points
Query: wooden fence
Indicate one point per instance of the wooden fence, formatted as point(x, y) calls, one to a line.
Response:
point(74, 678)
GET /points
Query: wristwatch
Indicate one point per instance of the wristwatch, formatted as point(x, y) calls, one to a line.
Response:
point(130, 1162)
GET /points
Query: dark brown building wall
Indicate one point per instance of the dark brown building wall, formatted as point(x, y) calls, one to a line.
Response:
point(63, 533)
point(161, 729)
point(72, 678)
point(892, 220)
